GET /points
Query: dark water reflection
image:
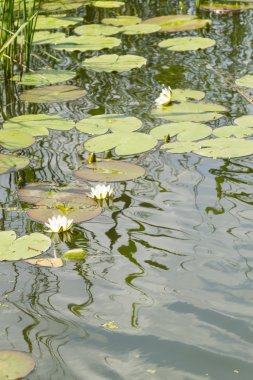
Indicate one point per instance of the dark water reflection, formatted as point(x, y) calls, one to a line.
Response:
point(170, 261)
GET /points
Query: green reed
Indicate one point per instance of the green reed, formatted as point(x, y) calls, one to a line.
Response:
point(17, 25)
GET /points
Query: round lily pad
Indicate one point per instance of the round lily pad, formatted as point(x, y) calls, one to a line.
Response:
point(45, 37)
point(187, 108)
point(122, 20)
point(140, 29)
point(14, 139)
point(245, 81)
point(52, 94)
point(22, 248)
point(183, 95)
point(177, 23)
point(233, 131)
point(96, 30)
point(124, 143)
point(196, 117)
point(110, 171)
point(54, 22)
point(38, 124)
point(187, 43)
point(49, 262)
point(225, 7)
point(44, 77)
point(80, 43)
point(97, 125)
point(15, 364)
point(185, 131)
point(107, 4)
point(114, 62)
point(245, 121)
point(62, 5)
point(10, 163)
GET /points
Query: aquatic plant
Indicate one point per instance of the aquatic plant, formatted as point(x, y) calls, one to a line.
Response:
point(59, 224)
point(101, 192)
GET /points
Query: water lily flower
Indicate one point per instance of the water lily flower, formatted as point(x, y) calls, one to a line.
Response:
point(59, 224)
point(101, 192)
point(164, 98)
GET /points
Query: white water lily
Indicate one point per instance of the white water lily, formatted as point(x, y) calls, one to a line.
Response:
point(59, 224)
point(164, 98)
point(101, 192)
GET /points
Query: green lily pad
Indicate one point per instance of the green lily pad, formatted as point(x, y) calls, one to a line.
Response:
point(122, 20)
point(245, 81)
point(10, 163)
point(180, 95)
point(110, 171)
point(45, 37)
point(140, 29)
point(187, 43)
point(15, 364)
point(97, 125)
point(74, 254)
point(107, 4)
point(233, 131)
point(185, 131)
point(22, 248)
point(178, 23)
point(96, 30)
point(124, 143)
point(52, 94)
point(114, 62)
point(196, 117)
point(48, 262)
point(244, 121)
point(14, 139)
point(62, 5)
point(188, 108)
point(54, 22)
point(91, 43)
point(38, 124)
point(181, 146)
point(44, 77)
point(225, 7)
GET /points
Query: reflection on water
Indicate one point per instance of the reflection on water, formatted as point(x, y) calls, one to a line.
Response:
point(170, 261)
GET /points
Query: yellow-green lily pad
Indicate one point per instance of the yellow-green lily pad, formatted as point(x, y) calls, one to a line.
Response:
point(90, 43)
point(122, 20)
point(52, 94)
point(62, 5)
point(183, 95)
point(9, 163)
point(46, 37)
point(114, 62)
point(178, 23)
point(54, 22)
point(110, 171)
point(44, 77)
point(225, 7)
point(244, 121)
point(185, 131)
point(107, 4)
point(97, 125)
point(15, 364)
point(140, 29)
point(245, 81)
point(187, 43)
point(96, 30)
point(233, 131)
point(15, 139)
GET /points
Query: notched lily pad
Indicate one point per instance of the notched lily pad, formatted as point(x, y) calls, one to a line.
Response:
point(24, 247)
point(244, 121)
point(233, 131)
point(52, 94)
point(177, 23)
point(96, 30)
point(54, 22)
point(187, 43)
point(79, 43)
point(245, 81)
point(15, 364)
point(45, 37)
point(123, 143)
point(185, 131)
point(183, 95)
point(15, 139)
point(114, 62)
point(110, 171)
point(97, 125)
point(44, 77)
point(140, 29)
point(122, 20)
point(10, 163)
point(38, 124)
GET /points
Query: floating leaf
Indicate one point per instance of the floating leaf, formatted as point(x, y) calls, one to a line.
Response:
point(49, 262)
point(52, 94)
point(96, 30)
point(14, 139)
point(245, 81)
point(180, 95)
point(61, 5)
point(124, 143)
point(15, 364)
point(38, 124)
point(188, 108)
point(24, 247)
point(187, 43)
point(10, 163)
point(225, 7)
point(54, 22)
point(97, 125)
point(140, 29)
point(107, 4)
point(74, 254)
point(110, 171)
point(44, 77)
point(122, 20)
point(45, 37)
point(114, 62)
point(196, 117)
point(185, 131)
point(177, 23)
point(233, 131)
point(80, 43)
point(245, 121)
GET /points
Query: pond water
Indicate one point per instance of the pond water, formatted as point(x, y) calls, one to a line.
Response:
point(166, 288)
